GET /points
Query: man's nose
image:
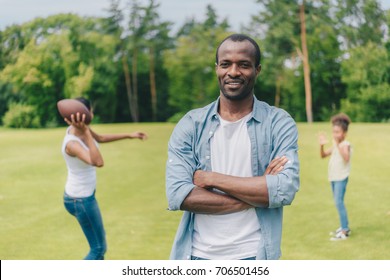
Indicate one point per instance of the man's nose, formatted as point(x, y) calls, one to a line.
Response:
point(234, 70)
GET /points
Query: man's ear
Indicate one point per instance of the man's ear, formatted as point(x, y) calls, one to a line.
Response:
point(258, 70)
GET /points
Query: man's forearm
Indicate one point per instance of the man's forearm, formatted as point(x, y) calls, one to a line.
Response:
point(252, 190)
point(203, 201)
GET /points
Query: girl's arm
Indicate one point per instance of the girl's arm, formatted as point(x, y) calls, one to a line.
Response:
point(325, 153)
point(323, 141)
point(105, 138)
point(345, 151)
point(92, 156)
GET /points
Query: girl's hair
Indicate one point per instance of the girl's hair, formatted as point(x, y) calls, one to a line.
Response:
point(85, 101)
point(341, 120)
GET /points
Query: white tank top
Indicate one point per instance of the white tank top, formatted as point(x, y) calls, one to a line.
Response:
point(81, 181)
point(236, 235)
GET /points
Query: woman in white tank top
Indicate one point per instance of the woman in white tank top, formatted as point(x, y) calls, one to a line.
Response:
point(82, 156)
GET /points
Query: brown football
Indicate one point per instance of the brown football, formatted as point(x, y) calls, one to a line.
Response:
point(67, 107)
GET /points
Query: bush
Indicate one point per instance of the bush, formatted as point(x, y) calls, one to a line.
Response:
point(176, 117)
point(21, 116)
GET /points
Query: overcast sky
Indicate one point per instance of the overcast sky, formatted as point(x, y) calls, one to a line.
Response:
point(177, 11)
point(237, 11)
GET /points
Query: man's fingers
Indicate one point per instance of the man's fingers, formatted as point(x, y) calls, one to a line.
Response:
point(273, 162)
point(280, 163)
point(277, 170)
point(276, 165)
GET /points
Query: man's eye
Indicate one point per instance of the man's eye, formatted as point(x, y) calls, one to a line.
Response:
point(224, 65)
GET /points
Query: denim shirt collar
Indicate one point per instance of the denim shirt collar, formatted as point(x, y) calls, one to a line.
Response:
point(256, 113)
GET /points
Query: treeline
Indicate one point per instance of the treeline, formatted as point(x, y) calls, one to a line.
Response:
point(134, 69)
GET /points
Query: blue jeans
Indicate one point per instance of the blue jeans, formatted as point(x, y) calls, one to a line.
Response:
point(339, 188)
point(87, 212)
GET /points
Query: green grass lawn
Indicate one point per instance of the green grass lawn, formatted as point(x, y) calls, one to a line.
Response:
point(131, 194)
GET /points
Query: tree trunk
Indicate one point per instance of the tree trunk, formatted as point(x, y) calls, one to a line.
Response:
point(306, 65)
point(135, 87)
point(152, 76)
point(126, 72)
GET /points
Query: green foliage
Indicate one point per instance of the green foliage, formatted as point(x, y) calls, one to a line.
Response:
point(73, 61)
point(333, 28)
point(366, 75)
point(359, 22)
point(191, 65)
point(373, 104)
point(21, 116)
point(176, 117)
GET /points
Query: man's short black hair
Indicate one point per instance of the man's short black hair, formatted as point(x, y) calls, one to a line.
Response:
point(241, 38)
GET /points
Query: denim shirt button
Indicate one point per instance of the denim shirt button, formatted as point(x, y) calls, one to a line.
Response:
point(207, 157)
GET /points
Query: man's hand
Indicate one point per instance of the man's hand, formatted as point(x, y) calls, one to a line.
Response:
point(204, 179)
point(201, 178)
point(276, 165)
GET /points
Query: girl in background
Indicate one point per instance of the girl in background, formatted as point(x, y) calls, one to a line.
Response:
point(82, 156)
point(338, 169)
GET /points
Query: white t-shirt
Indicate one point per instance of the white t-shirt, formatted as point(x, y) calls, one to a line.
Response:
point(338, 168)
point(81, 181)
point(236, 235)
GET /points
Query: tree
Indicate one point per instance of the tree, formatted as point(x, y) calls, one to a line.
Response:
point(156, 39)
point(113, 25)
point(191, 64)
point(359, 22)
point(365, 73)
point(33, 72)
point(65, 56)
point(304, 54)
point(278, 27)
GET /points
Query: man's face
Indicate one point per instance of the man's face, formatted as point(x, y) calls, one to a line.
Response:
point(236, 70)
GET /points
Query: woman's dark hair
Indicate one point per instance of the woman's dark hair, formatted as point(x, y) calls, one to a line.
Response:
point(341, 120)
point(85, 101)
point(241, 38)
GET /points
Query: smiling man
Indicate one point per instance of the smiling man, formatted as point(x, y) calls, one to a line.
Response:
point(232, 166)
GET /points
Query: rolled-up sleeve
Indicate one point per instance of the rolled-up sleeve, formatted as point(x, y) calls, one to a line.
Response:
point(181, 163)
point(283, 186)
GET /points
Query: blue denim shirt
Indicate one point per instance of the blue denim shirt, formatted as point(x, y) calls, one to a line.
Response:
point(272, 133)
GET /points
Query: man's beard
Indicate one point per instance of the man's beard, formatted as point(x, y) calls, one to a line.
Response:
point(241, 96)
